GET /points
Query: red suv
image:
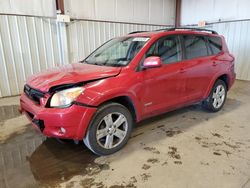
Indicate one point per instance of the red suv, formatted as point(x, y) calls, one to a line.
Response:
point(130, 78)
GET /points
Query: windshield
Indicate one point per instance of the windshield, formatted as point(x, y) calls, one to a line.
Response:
point(117, 52)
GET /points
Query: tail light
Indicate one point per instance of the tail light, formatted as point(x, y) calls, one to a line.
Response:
point(232, 68)
point(232, 63)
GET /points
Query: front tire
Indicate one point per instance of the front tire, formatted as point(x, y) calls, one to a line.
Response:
point(217, 97)
point(109, 129)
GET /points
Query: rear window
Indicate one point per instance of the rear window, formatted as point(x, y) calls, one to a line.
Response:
point(195, 46)
point(215, 44)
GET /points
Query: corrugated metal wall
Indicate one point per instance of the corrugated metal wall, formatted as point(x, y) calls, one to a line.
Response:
point(132, 11)
point(27, 46)
point(85, 36)
point(229, 18)
point(30, 44)
point(237, 35)
point(193, 11)
point(29, 7)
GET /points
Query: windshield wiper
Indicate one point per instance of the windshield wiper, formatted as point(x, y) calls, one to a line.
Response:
point(115, 65)
point(84, 61)
point(87, 62)
point(105, 63)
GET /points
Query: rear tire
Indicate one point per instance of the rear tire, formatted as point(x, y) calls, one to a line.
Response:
point(109, 129)
point(217, 97)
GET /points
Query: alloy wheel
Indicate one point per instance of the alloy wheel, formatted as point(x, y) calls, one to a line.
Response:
point(218, 96)
point(111, 130)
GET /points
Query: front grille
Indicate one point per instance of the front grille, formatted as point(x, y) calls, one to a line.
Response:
point(33, 94)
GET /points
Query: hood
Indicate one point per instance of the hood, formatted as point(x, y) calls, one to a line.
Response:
point(70, 74)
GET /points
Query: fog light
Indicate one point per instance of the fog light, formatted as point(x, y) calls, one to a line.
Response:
point(62, 130)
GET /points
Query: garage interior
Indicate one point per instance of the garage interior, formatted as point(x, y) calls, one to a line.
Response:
point(188, 147)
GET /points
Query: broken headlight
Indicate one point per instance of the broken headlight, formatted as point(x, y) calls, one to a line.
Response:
point(65, 97)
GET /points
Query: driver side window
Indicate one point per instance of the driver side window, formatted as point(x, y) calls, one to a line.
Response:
point(167, 48)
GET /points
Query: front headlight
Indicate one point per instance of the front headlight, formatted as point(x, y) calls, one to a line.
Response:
point(66, 97)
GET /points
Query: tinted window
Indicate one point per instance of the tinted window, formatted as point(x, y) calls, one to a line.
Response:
point(167, 48)
point(195, 46)
point(215, 44)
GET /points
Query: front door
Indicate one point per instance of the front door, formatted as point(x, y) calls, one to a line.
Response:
point(163, 86)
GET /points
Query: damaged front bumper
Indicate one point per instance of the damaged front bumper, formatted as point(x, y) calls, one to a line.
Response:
point(67, 123)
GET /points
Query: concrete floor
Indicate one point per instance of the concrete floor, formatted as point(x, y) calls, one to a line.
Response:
point(185, 148)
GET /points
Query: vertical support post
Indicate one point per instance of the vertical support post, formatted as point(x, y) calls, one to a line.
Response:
point(62, 35)
point(60, 6)
point(178, 13)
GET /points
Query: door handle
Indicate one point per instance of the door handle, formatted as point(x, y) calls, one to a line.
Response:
point(182, 70)
point(214, 63)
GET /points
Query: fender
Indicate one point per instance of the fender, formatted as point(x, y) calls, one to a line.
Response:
point(102, 98)
point(95, 99)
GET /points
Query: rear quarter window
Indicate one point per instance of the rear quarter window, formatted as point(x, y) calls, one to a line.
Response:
point(215, 44)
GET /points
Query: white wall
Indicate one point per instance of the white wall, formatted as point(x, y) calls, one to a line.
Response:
point(193, 11)
point(135, 11)
point(237, 35)
point(28, 45)
point(28, 7)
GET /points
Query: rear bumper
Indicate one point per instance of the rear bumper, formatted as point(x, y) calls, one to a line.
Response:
point(231, 80)
point(50, 121)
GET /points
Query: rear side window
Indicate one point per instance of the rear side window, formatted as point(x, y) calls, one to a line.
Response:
point(215, 44)
point(167, 48)
point(195, 46)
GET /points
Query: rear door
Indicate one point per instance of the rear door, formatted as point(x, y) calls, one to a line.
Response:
point(163, 87)
point(198, 69)
point(218, 58)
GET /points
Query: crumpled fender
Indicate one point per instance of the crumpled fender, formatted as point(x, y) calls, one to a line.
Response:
point(95, 94)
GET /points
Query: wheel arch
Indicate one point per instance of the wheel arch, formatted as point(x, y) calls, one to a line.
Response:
point(223, 77)
point(125, 101)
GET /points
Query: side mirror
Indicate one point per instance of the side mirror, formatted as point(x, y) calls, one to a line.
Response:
point(152, 62)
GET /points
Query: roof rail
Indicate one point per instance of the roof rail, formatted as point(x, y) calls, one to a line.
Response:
point(192, 29)
point(137, 32)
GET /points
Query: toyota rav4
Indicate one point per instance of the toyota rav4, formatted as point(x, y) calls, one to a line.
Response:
point(127, 79)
